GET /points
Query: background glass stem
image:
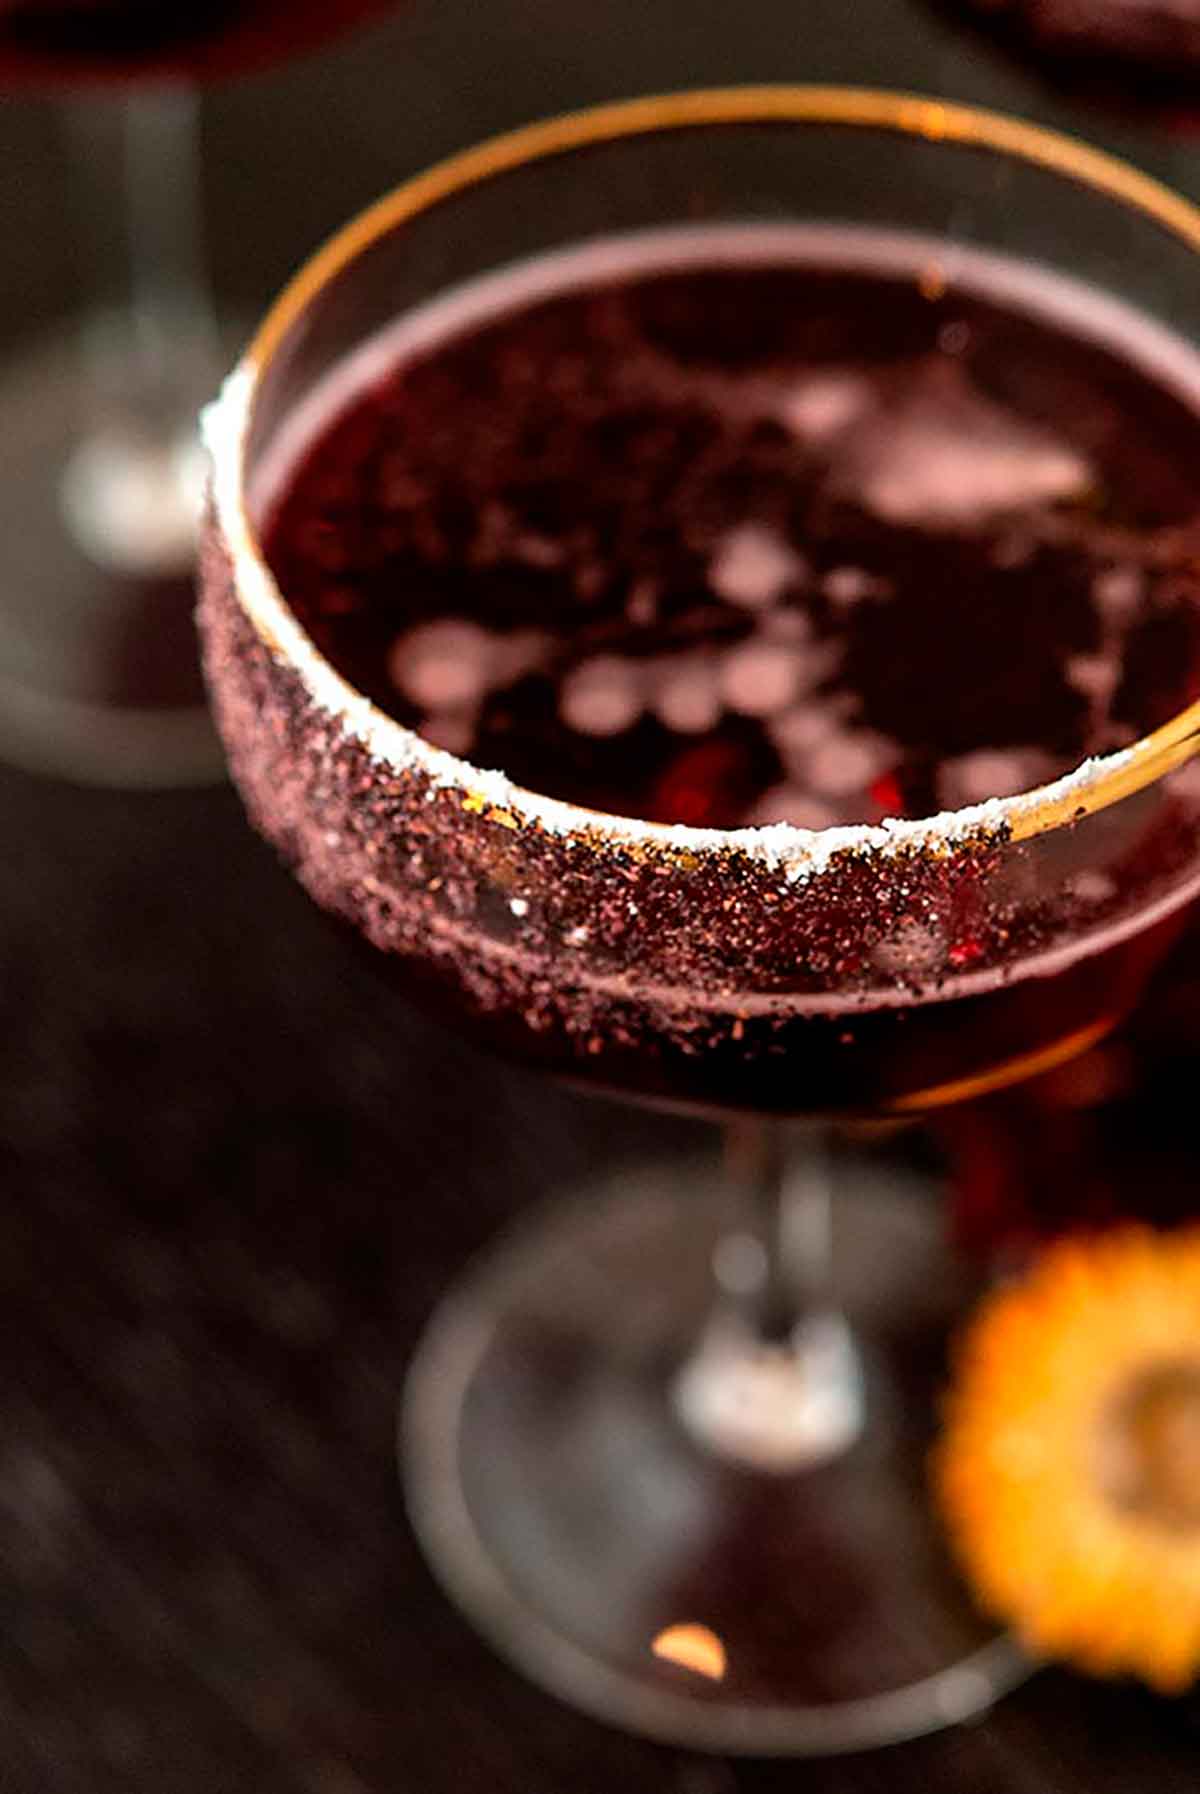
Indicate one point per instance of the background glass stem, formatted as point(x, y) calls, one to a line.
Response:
point(790, 1215)
point(774, 1382)
point(149, 342)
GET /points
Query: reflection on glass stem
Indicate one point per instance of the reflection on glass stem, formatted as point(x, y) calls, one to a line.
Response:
point(131, 488)
point(774, 1382)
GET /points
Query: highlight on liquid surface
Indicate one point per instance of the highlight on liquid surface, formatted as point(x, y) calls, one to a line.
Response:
point(757, 524)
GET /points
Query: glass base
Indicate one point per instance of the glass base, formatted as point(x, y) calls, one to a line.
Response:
point(567, 1510)
point(99, 670)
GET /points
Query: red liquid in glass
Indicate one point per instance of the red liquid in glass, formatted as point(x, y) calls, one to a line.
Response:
point(817, 541)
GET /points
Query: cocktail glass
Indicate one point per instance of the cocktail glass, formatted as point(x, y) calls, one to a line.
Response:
point(665, 1444)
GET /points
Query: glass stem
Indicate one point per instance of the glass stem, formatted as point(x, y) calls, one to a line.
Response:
point(790, 1217)
point(774, 1382)
point(149, 342)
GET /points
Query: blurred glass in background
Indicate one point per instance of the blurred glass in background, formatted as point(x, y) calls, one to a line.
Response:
point(101, 483)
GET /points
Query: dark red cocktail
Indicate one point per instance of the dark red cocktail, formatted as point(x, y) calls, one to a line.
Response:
point(707, 592)
point(757, 528)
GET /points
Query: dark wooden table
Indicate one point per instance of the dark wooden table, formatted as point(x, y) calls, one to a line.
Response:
point(232, 1189)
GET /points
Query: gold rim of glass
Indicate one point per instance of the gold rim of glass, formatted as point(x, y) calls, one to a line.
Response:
point(1092, 786)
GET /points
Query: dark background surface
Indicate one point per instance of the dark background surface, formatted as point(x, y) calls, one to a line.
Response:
point(232, 1191)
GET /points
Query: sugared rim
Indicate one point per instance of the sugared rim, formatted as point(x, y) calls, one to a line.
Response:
point(1091, 786)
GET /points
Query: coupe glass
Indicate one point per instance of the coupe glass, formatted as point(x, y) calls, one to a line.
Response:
point(665, 1444)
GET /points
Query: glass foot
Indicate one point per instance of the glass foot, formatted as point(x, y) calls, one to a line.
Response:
point(99, 671)
point(133, 504)
point(556, 1485)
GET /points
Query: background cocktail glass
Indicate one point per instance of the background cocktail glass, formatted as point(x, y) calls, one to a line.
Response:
point(102, 478)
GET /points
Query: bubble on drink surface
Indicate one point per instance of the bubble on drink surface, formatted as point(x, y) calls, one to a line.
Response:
point(797, 731)
point(1093, 676)
point(1117, 735)
point(792, 804)
point(442, 665)
point(847, 586)
point(538, 550)
point(817, 665)
point(753, 566)
point(1118, 592)
point(513, 655)
point(946, 454)
point(993, 772)
point(848, 761)
point(822, 405)
point(589, 578)
point(641, 606)
point(398, 485)
point(954, 338)
point(495, 528)
point(325, 544)
point(339, 599)
point(1092, 886)
point(451, 730)
point(602, 696)
point(785, 624)
point(1184, 782)
point(686, 694)
point(759, 678)
point(1015, 549)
